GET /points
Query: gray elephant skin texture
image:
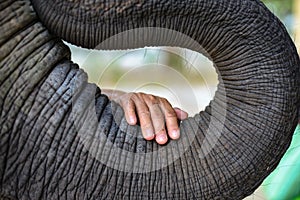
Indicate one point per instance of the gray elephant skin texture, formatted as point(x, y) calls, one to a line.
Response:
point(60, 138)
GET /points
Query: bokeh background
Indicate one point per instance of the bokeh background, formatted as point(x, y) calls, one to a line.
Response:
point(176, 73)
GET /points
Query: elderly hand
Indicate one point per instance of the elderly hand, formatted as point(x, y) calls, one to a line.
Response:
point(154, 113)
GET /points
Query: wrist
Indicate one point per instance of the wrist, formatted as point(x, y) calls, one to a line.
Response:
point(113, 94)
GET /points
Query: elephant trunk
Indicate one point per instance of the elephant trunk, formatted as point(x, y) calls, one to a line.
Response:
point(83, 145)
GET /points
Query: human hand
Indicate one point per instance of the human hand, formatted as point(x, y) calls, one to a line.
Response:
point(154, 113)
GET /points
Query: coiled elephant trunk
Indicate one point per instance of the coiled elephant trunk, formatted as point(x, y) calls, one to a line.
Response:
point(226, 151)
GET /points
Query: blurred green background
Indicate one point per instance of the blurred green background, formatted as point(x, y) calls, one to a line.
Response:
point(176, 73)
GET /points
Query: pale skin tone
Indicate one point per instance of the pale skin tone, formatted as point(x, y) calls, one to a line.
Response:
point(157, 118)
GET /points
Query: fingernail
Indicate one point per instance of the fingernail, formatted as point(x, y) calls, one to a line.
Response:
point(175, 134)
point(148, 134)
point(161, 138)
point(132, 120)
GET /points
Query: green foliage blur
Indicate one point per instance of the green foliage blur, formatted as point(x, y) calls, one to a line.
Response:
point(283, 9)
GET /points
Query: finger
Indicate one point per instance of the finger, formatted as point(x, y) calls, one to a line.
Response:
point(130, 114)
point(157, 118)
point(171, 119)
point(158, 122)
point(145, 119)
point(181, 115)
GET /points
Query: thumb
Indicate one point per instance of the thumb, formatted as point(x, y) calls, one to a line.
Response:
point(181, 115)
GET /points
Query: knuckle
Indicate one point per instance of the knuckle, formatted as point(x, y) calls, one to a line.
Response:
point(165, 102)
point(132, 95)
point(170, 114)
point(144, 113)
point(149, 98)
point(126, 104)
point(140, 94)
point(152, 99)
point(147, 127)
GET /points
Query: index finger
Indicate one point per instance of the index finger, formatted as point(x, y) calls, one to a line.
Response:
point(145, 119)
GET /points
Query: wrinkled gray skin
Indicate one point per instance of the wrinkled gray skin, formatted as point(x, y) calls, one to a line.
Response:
point(228, 149)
